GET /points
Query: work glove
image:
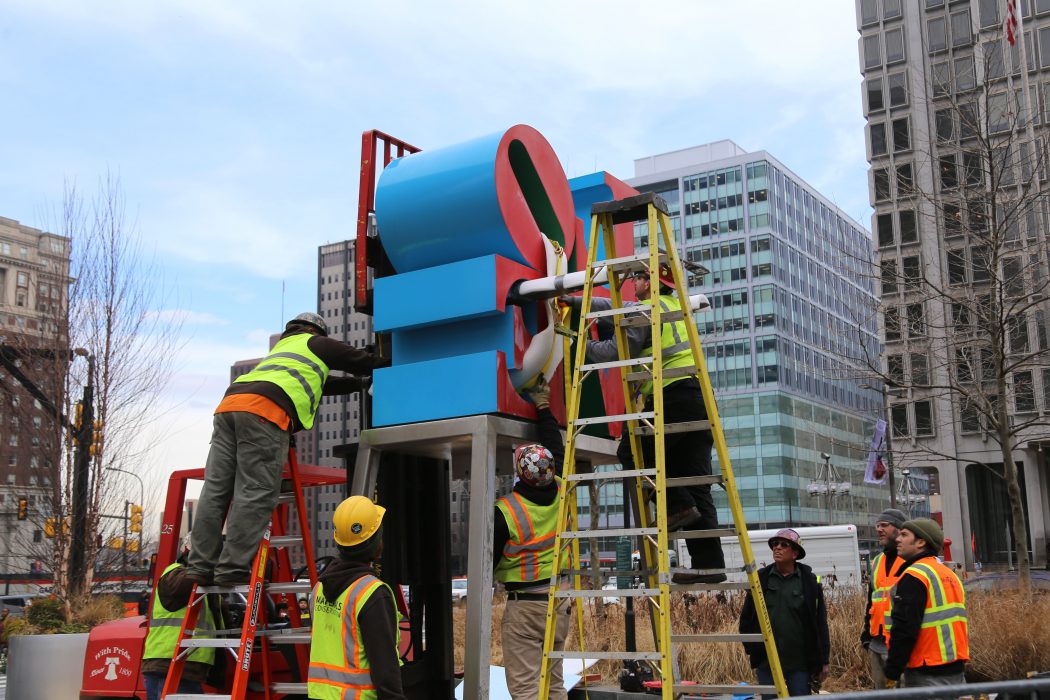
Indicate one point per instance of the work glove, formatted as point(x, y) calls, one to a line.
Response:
point(540, 394)
point(890, 684)
point(574, 302)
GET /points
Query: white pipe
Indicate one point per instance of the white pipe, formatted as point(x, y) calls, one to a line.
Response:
point(546, 287)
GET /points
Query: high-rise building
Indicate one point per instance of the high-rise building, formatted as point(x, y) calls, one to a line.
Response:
point(784, 278)
point(947, 134)
point(34, 288)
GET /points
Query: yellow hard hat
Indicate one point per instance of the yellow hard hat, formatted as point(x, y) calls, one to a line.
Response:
point(356, 519)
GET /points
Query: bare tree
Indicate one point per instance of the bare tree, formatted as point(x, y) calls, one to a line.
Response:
point(967, 332)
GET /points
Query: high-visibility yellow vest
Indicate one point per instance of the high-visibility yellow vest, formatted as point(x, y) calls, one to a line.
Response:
point(882, 582)
point(529, 553)
point(164, 626)
point(338, 664)
point(674, 344)
point(298, 372)
point(944, 635)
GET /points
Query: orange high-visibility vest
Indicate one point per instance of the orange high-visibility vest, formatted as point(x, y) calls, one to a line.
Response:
point(882, 583)
point(944, 636)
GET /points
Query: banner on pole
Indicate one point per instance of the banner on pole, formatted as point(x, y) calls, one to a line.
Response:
point(877, 472)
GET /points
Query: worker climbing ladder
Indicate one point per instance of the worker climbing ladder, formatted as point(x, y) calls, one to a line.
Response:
point(647, 479)
point(253, 635)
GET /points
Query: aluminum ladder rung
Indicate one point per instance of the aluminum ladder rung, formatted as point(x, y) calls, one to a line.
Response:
point(230, 643)
point(285, 540)
point(733, 570)
point(723, 586)
point(600, 655)
point(680, 481)
point(195, 696)
point(609, 592)
point(686, 427)
point(628, 263)
point(714, 638)
point(617, 474)
point(683, 371)
point(639, 320)
point(701, 534)
point(605, 573)
point(288, 688)
point(641, 309)
point(640, 415)
point(289, 587)
point(612, 532)
point(287, 497)
point(299, 638)
point(727, 690)
point(633, 362)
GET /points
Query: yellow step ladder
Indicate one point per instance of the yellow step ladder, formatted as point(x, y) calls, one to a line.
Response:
point(647, 479)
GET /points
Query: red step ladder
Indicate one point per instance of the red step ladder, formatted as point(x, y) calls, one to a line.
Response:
point(243, 647)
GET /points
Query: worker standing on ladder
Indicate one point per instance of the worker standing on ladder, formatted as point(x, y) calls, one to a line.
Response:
point(354, 636)
point(687, 453)
point(249, 444)
point(523, 555)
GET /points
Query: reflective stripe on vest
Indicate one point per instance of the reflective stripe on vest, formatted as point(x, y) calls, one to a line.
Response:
point(882, 583)
point(529, 553)
point(674, 344)
point(944, 635)
point(338, 664)
point(297, 371)
point(164, 627)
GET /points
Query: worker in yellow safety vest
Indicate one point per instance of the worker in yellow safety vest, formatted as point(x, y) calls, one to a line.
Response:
point(927, 625)
point(354, 636)
point(687, 453)
point(885, 570)
point(251, 432)
point(525, 522)
point(170, 598)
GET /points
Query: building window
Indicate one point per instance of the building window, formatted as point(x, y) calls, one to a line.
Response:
point(895, 45)
point(895, 368)
point(899, 418)
point(999, 116)
point(965, 78)
point(874, 94)
point(923, 418)
point(952, 220)
point(905, 180)
point(972, 170)
point(881, 179)
point(869, 12)
point(916, 321)
point(949, 172)
point(872, 52)
point(884, 228)
point(878, 138)
point(945, 124)
point(1024, 392)
point(1044, 47)
point(956, 267)
point(908, 229)
point(898, 85)
point(893, 322)
point(891, 9)
point(901, 135)
point(920, 373)
point(889, 277)
point(936, 34)
point(941, 78)
point(969, 125)
point(962, 32)
point(989, 13)
point(911, 272)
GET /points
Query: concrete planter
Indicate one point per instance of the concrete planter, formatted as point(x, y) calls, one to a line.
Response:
point(46, 666)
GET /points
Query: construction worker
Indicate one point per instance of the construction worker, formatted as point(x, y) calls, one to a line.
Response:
point(525, 522)
point(885, 570)
point(929, 638)
point(170, 598)
point(795, 600)
point(354, 636)
point(685, 453)
point(249, 445)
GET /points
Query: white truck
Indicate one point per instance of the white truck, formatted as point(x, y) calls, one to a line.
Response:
point(831, 550)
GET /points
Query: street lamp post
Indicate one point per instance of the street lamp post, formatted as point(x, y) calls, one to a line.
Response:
point(81, 468)
point(889, 439)
point(142, 499)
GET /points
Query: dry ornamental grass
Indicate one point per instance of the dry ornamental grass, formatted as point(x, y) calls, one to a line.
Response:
point(1009, 637)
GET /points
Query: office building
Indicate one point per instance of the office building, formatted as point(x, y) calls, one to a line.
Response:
point(941, 84)
point(789, 299)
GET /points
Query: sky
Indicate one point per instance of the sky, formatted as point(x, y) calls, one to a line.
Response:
point(235, 127)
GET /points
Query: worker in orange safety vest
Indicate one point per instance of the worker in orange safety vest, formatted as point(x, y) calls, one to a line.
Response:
point(927, 626)
point(885, 570)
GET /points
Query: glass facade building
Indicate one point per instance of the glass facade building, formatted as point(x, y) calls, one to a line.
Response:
point(783, 272)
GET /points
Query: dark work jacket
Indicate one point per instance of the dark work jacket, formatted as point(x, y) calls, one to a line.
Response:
point(379, 631)
point(337, 355)
point(175, 595)
point(816, 627)
point(909, 607)
point(550, 437)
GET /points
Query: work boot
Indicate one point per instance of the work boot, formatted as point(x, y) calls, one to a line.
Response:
point(232, 580)
point(682, 519)
point(183, 581)
point(698, 578)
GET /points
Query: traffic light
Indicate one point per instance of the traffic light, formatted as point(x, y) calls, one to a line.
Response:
point(96, 439)
point(23, 508)
point(136, 518)
point(78, 418)
point(116, 543)
point(49, 527)
point(132, 545)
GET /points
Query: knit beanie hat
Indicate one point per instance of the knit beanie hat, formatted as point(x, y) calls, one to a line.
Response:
point(892, 516)
point(928, 530)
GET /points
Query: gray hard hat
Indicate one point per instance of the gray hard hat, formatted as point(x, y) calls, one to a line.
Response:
point(308, 318)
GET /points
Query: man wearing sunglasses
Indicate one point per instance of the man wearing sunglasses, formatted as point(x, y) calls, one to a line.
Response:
point(795, 601)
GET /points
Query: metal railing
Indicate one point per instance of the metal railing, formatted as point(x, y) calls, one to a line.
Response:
point(1027, 688)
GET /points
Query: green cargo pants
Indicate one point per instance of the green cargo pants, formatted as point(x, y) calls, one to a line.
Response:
point(243, 472)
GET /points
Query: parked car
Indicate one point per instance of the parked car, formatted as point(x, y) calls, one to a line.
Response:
point(16, 604)
point(459, 589)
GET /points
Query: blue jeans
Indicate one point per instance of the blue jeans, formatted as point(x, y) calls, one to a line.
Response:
point(155, 685)
point(797, 681)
